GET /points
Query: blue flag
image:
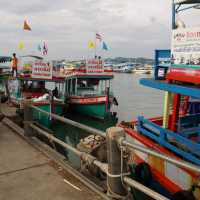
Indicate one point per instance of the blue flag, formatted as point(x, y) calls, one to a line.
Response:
point(105, 47)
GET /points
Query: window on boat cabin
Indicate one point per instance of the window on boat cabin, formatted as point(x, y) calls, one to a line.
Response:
point(60, 87)
point(34, 86)
point(87, 87)
point(55, 86)
point(88, 83)
point(70, 88)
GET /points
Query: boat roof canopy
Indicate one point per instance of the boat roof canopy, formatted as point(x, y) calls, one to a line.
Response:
point(32, 56)
point(186, 1)
point(56, 80)
point(93, 76)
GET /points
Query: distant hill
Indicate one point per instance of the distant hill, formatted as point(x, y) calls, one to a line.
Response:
point(137, 60)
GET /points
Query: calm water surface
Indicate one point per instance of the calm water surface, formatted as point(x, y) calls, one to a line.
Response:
point(135, 99)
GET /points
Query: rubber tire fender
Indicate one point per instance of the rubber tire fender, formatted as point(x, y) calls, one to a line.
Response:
point(143, 173)
point(183, 195)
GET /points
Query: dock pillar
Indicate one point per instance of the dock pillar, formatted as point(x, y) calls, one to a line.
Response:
point(116, 188)
point(28, 118)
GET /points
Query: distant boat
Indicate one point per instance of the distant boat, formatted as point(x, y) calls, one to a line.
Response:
point(108, 67)
point(142, 70)
point(123, 67)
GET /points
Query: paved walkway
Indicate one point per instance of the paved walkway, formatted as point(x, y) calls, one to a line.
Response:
point(26, 174)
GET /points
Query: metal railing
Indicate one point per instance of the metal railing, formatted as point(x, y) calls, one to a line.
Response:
point(124, 143)
point(71, 122)
point(84, 156)
point(104, 167)
point(169, 159)
point(121, 142)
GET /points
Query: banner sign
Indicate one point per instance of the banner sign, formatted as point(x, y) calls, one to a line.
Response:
point(94, 66)
point(186, 48)
point(42, 70)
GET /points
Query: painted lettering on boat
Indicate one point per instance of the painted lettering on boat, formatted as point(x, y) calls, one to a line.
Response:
point(85, 100)
point(42, 69)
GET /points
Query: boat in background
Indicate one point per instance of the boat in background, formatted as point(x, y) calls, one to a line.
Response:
point(108, 67)
point(123, 67)
point(146, 69)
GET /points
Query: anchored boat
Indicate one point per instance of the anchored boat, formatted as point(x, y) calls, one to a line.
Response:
point(88, 91)
point(177, 132)
point(85, 89)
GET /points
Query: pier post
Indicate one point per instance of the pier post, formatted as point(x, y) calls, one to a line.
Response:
point(7, 90)
point(116, 188)
point(28, 118)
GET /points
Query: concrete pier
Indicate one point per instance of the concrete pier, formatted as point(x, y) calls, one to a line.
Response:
point(26, 173)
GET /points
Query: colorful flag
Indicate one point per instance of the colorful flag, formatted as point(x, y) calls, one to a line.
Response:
point(98, 37)
point(45, 49)
point(104, 46)
point(21, 46)
point(26, 26)
point(91, 45)
point(39, 48)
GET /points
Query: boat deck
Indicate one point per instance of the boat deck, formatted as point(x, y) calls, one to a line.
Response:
point(26, 173)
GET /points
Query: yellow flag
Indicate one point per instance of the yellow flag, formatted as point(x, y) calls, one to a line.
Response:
point(91, 45)
point(21, 46)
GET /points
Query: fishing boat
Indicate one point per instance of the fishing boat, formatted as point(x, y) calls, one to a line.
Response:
point(37, 84)
point(176, 133)
point(85, 89)
point(108, 67)
point(123, 68)
point(88, 90)
point(142, 70)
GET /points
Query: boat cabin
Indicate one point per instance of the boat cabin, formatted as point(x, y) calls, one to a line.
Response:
point(88, 85)
point(89, 94)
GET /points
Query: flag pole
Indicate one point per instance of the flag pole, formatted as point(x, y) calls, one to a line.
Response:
point(95, 44)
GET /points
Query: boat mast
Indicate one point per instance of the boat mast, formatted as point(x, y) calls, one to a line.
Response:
point(95, 46)
point(173, 15)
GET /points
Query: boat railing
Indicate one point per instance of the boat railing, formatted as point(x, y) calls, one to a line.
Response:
point(115, 139)
point(167, 138)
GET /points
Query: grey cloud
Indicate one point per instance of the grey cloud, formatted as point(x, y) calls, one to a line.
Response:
point(130, 27)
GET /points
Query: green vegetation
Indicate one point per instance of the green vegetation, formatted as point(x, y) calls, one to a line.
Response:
point(140, 60)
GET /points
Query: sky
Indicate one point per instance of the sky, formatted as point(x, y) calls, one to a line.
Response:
point(130, 28)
